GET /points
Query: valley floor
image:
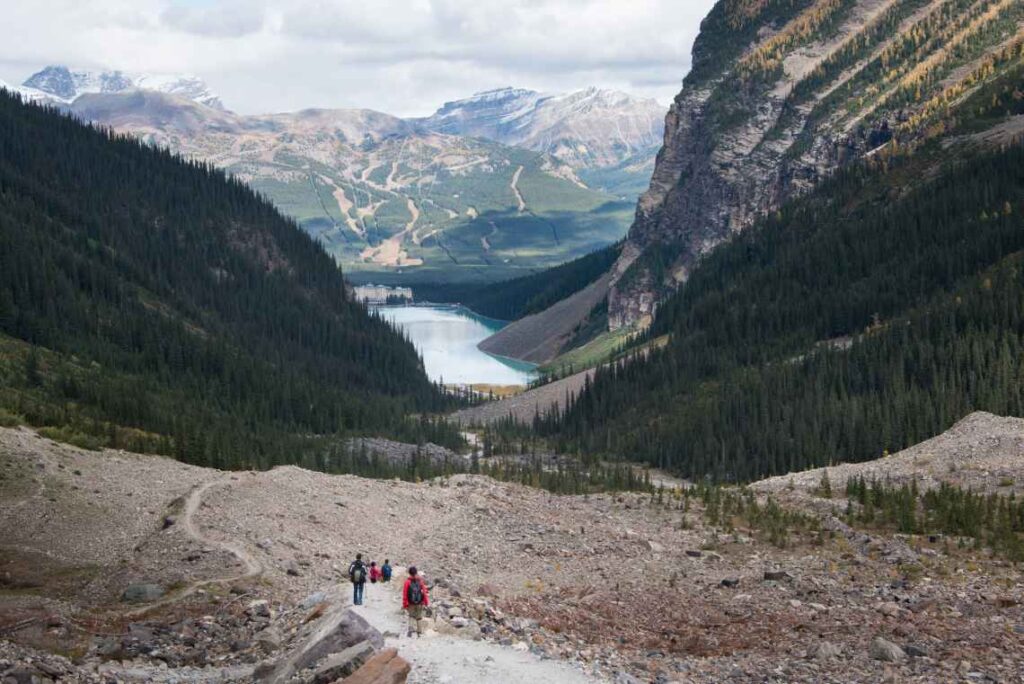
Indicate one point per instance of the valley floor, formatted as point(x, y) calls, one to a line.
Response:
point(624, 588)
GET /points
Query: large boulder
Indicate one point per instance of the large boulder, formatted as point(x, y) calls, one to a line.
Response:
point(338, 630)
point(887, 651)
point(387, 667)
point(340, 665)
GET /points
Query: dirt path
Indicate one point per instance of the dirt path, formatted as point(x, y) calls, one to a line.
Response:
point(515, 189)
point(442, 659)
point(252, 566)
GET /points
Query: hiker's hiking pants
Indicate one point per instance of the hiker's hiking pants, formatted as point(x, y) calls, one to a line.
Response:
point(357, 593)
point(415, 619)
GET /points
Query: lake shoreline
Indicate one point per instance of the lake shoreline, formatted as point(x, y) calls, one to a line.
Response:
point(447, 336)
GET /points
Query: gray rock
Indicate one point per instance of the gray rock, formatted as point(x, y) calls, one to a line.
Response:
point(269, 640)
point(25, 674)
point(141, 593)
point(730, 582)
point(824, 650)
point(915, 651)
point(887, 651)
point(336, 631)
point(694, 553)
point(313, 600)
point(340, 665)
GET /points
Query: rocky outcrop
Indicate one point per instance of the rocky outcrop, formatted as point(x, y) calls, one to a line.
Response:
point(782, 95)
point(340, 631)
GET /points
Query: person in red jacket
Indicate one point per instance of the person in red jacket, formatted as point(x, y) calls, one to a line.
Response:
point(374, 572)
point(415, 600)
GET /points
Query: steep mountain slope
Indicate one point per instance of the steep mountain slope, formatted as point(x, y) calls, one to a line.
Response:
point(781, 94)
point(592, 130)
point(157, 303)
point(386, 197)
point(509, 300)
point(61, 85)
point(870, 315)
point(785, 92)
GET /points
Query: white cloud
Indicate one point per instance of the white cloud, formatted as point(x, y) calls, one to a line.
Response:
point(400, 56)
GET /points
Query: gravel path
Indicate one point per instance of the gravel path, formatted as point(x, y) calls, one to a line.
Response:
point(441, 659)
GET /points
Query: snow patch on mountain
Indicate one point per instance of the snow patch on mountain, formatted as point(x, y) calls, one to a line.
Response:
point(587, 128)
point(64, 85)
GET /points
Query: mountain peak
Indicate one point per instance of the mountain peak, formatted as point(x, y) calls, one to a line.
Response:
point(592, 127)
point(64, 84)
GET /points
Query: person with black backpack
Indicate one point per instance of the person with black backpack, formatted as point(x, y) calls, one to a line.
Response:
point(357, 575)
point(415, 600)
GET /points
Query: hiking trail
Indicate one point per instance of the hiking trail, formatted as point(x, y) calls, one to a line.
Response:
point(442, 659)
point(252, 566)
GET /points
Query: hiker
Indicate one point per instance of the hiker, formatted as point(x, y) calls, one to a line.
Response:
point(374, 572)
point(357, 574)
point(415, 600)
point(385, 571)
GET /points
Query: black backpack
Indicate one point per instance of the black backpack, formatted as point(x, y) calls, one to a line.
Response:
point(358, 572)
point(415, 593)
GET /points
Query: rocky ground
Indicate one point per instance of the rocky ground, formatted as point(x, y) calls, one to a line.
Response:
point(139, 568)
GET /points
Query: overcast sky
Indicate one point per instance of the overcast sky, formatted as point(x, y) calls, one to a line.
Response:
point(404, 57)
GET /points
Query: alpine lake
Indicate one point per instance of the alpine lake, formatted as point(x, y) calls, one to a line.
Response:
point(447, 337)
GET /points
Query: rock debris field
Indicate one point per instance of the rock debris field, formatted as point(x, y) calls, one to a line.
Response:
point(140, 568)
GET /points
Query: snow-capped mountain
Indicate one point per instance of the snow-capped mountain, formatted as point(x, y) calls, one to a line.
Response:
point(63, 85)
point(591, 128)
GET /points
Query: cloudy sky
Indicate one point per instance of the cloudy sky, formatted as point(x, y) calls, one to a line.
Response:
point(400, 56)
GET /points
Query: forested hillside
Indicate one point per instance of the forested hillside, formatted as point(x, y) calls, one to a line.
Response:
point(512, 299)
point(153, 303)
point(869, 316)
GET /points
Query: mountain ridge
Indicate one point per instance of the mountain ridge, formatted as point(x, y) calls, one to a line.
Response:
point(155, 301)
point(62, 84)
point(776, 102)
point(396, 198)
point(573, 127)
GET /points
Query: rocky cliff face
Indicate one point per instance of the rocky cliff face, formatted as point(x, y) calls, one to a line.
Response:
point(783, 93)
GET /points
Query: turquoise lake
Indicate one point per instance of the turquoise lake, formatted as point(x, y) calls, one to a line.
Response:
point(446, 337)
